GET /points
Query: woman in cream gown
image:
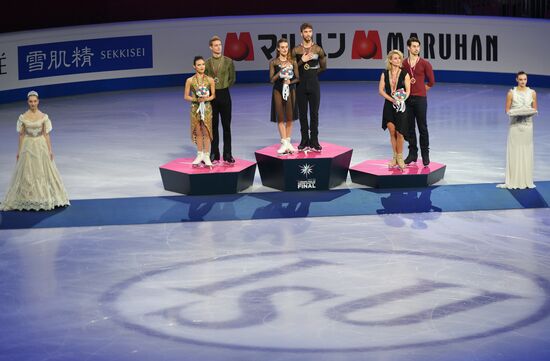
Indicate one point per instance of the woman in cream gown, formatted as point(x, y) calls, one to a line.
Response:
point(521, 106)
point(36, 184)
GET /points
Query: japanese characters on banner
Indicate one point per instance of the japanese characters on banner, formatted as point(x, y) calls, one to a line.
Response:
point(85, 56)
point(352, 42)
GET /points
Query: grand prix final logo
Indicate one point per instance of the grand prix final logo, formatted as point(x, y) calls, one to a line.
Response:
point(329, 300)
point(306, 170)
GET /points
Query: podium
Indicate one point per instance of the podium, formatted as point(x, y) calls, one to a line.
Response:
point(181, 177)
point(304, 171)
point(375, 173)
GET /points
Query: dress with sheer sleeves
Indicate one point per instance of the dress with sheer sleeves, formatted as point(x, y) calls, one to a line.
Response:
point(36, 183)
point(282, 109)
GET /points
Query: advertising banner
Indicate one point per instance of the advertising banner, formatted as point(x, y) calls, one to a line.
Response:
point(85, 56)
point(159, 53)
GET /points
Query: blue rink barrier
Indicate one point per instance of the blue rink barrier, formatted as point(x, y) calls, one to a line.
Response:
point(254, 76)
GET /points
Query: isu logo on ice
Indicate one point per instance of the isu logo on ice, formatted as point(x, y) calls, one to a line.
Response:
point(323, 300)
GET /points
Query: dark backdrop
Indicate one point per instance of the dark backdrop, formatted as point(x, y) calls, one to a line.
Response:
point(19, 15)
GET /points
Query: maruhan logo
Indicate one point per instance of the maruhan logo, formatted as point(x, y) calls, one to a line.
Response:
point(239, 47)
point(366, 46)
point(329, 300)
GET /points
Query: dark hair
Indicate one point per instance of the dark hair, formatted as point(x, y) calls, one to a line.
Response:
point(413, 39)
point(213, 39)
point(197, 58)
point(283, 40)
point(521, 73)
point(306, 26)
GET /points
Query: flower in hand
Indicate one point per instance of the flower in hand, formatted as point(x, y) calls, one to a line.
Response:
point(399, 95)
point(203, 92)
point(286, 73)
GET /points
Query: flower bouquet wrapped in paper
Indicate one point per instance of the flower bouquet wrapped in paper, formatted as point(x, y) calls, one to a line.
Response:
point(400, 96)
point(286, 73)
point(202, 91)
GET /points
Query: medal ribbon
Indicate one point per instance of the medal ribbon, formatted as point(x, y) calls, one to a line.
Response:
point(399, 104)
point(413, 79)
point(215, 71)
point(306, 52)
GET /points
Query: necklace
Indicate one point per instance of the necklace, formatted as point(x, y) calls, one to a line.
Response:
point(413, 80)
point(284, 62)
point(215, 71)
point(306, 52)
point(307, 49)
point(393, 80)
point(201, 83)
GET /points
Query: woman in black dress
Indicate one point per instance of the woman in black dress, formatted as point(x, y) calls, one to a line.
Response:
point(395, 87)
point(283, 74)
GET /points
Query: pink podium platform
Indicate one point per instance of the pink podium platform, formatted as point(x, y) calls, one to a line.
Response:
point(302, 171)
point(181, 177)
point(375, 173)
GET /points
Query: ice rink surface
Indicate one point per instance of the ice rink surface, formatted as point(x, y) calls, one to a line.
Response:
point(471, 285)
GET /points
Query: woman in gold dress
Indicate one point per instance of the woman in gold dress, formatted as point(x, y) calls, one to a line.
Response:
point(200, 89)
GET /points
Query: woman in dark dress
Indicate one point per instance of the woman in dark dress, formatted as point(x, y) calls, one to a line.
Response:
point(395, 87)
point(283, 74)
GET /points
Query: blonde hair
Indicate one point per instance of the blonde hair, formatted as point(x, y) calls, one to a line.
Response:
point(389, 56)
point(213, 39)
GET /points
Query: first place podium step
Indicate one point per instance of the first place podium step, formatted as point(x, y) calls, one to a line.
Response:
point(180, 176)
point(303, 171)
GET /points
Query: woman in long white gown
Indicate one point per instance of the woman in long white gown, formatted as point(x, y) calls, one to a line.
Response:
point(521, 106)
point(36, 183)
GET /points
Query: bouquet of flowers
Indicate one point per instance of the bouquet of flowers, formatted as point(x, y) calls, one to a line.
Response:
point(399, 95)
point(286, 73)
point(202, 91)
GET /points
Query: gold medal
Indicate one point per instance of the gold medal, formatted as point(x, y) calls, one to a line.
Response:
point(216, 80)
point(306, 66)
point(413, 80)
